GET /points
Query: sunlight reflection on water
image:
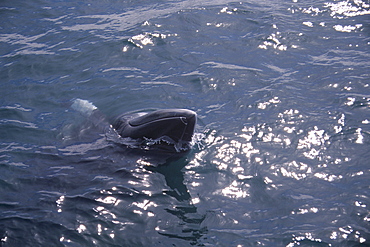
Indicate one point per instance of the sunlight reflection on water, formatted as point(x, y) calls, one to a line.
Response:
point(282, 93)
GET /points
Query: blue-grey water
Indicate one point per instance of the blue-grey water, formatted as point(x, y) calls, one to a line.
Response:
point(281, 156)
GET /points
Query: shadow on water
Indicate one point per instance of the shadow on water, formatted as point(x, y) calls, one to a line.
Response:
point(171, 170)
point(185, 210)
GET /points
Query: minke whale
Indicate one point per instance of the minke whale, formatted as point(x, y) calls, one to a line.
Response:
point(171, 130)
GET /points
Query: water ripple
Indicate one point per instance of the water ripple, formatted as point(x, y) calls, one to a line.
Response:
point(282, 146)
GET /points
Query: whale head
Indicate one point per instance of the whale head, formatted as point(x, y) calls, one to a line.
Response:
point(175, 126)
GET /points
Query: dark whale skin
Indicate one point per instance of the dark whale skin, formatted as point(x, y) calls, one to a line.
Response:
point(177, 124)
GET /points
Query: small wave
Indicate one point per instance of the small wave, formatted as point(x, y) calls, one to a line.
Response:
point(162, 144)
point(16, 107)
point(230, 66)
point(145, 39)
point(18, 123)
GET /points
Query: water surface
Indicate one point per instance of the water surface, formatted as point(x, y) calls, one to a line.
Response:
point(281, 89)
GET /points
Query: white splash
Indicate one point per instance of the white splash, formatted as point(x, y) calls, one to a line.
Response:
point(83, 106)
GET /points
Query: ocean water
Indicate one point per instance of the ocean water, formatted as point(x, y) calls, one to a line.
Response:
point(281, 155)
